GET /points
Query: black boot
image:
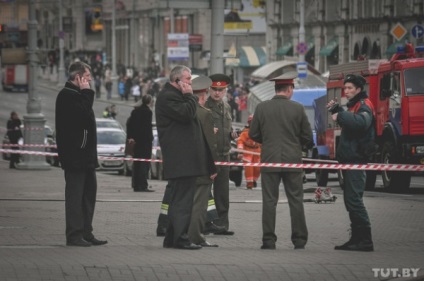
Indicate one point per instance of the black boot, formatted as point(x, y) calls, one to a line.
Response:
point(363, 242)
point(354, 238)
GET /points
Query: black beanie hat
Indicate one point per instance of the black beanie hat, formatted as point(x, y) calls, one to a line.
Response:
point(356, 80)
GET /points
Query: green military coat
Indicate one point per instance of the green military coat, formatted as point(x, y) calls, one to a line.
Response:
point(283, 129)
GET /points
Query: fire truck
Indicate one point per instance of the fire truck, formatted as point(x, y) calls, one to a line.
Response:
point(14, 69)
point(396, 89)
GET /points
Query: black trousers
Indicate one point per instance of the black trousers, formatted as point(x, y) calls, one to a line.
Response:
point(80, 200)
point(179, 213)
point(139, 175)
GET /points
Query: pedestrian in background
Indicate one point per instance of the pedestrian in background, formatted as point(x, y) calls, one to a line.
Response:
point(184, 152)
point(200, 87)
point(14, 133)
point(108, 82)
point(140, 133)
point(221, 113)
point(355, 146)
point(283, 129)
point(77, 149)
point(251, 155)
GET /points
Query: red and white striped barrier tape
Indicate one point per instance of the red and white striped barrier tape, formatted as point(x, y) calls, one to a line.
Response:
point(369, 166)
point(48, 145)
point(23, 129)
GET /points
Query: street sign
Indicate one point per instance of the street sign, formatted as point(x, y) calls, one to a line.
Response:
point(417, 31)
point(398, 31)
point(302, 70)
point(302, 48)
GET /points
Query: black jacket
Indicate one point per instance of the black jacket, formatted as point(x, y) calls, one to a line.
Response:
point(76, 134)
point(14, 130)
point(183, 146)
point(358, 132)
point(139, 128)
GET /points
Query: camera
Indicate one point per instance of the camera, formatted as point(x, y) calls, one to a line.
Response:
point(334, 108)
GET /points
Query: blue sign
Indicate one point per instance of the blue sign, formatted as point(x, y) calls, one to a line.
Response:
point(417, 31)
point(302, 69)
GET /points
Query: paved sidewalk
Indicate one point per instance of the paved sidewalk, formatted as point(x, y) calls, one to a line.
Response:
point(32, 236)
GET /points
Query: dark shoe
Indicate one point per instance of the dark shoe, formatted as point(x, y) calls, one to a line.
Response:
point(299, 247)
point(268, 246)
point(207, 244)
point(361, 241)
point(190, 246)
point(225, 232)
point(213, 228)
point(79, 243)
point(143, 190)
point(160, 231)
point(96, 242)
point(354, 238)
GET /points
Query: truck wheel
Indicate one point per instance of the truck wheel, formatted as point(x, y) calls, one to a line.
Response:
point(236, 177)
point(371, 179)
point(394, 181)
point(321, 177)
point(341, 179)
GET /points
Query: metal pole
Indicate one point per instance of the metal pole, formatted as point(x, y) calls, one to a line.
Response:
point(61, 71)
point(302, 28)
point(34, 120)
point(217, 37)
point(114, 73)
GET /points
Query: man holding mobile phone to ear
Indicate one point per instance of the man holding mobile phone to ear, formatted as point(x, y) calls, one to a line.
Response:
point(77, 149)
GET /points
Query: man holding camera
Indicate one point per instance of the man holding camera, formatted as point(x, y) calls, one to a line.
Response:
point(355, 145)
point(221, 113)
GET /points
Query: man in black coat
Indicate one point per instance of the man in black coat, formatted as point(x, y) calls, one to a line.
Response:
point(139, 132)
point(14, 133)
point(76, 138)
point(184, 152)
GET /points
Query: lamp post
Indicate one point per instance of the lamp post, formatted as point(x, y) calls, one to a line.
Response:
point(217, 37)
point(61, 70)
point(114, 74)
point(34, 120)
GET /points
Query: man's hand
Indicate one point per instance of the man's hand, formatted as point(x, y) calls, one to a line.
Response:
point(185, 87)
point(82, 82)
point(213, 176)
point(130, 141)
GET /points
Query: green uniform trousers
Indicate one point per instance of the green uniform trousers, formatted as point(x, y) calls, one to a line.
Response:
point(294, 191)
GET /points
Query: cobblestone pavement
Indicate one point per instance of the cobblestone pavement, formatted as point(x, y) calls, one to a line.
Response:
point(32, 236)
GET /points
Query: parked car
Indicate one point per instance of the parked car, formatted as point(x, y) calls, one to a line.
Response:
point(49, 139)
point(108, 123)
point(111, 143)
point(156, 168)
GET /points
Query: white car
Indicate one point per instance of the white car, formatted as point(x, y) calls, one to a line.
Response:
point(111, 143)
point(108, 123)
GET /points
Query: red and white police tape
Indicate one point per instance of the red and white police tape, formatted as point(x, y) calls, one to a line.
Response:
point(369, 166)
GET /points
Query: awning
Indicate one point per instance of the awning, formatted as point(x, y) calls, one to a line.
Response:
point(284, 49)
point(276, 68)
point(330, 47)
point(248, 56)
point(393, 48)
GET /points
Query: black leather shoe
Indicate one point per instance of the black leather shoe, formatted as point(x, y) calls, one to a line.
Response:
point(225, 232)
point(207, 244)
point(190, 246)
point(299, 247)
point(96, 242)
point(78, 243)
point(143, 190)
point(268, 245)
point(213, 228)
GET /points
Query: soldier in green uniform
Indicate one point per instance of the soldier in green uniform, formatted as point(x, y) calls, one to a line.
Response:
point(283, 129)
point(221, 113)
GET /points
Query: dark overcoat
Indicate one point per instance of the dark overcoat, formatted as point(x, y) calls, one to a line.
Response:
point(139, 128)
point(184, 149)
point(283, 129)
point(76, 134)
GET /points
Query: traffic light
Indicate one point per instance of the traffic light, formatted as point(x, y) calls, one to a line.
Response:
point(2, 28)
